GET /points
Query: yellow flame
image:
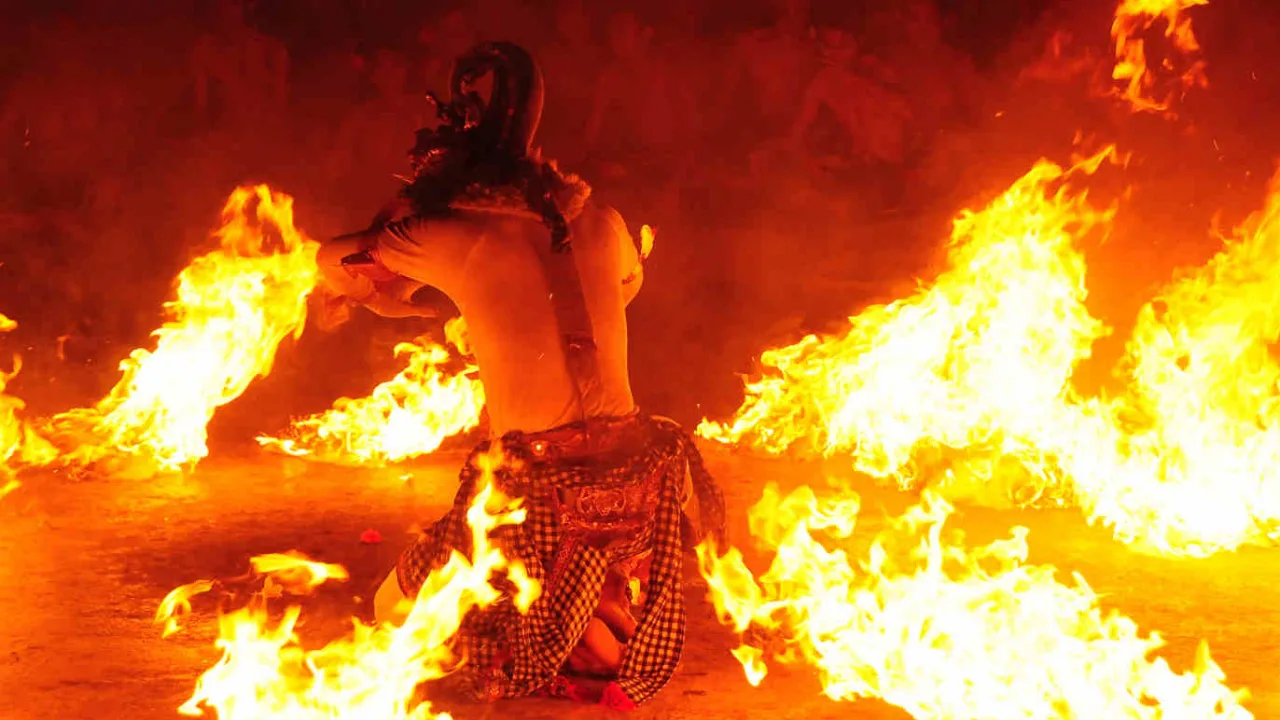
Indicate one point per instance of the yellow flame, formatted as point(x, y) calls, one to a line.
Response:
point(979, 360)
point(178, 603)
point(1136, 81)
point(405, 417)
point(458, 335)
point(646, 242)
point(753, 664)
point(941, 630)
point(1186, 459)
point(968, 383)
point(373, 673)
point(643, 252)
point(296, 573)
point(234, 306)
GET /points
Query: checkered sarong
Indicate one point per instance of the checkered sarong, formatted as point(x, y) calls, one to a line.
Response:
point(507, 654)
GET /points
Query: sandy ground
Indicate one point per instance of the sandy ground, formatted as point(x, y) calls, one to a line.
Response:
point(84, 564)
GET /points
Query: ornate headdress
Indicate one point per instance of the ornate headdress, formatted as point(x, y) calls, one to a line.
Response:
point(484, 148)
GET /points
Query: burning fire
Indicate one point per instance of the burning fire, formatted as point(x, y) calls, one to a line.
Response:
point(969, 381)
point(1135, 80)
point(234, 306)
point(1186, 459)
point(266, 673)
point(405, 417)
point(941, 630)
point(20, 445)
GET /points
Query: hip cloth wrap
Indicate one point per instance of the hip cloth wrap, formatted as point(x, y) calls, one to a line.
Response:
point(602, 494)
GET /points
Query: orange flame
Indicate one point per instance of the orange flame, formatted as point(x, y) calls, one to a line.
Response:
point(20, 445)
point(941, 630)
point(1137, 83)
point(374, 673)
point(289, 572)
point(233, 308)
point(968, 383)
point(405, 417)
point(178, 603)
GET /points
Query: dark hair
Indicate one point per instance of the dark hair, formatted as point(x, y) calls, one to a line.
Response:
point(483, 149)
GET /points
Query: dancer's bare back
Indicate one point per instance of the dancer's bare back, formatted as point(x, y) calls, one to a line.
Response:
point(487, 263)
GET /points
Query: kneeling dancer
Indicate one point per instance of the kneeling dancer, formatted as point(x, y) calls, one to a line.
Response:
point(543, 277)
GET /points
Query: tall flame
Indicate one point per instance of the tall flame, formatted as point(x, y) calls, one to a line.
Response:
point(234, 306)
point(1188, 458)
point(980, 360)
point(405, 417)
point(941, 630)
point(373, 673)
point(1136, 81)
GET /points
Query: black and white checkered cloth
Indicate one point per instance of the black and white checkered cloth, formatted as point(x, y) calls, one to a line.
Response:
point(507, 654)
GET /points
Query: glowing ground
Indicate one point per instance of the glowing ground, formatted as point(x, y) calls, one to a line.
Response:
point(84, 565)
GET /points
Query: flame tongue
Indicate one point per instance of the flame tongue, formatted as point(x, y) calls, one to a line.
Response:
point(233, 308)
point(941, 630)
point(405, 417)
point(1135, 79)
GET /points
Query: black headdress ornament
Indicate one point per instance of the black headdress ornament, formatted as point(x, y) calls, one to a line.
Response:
point(487, 144)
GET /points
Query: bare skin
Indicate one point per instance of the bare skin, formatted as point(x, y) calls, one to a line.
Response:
point(487, 263)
